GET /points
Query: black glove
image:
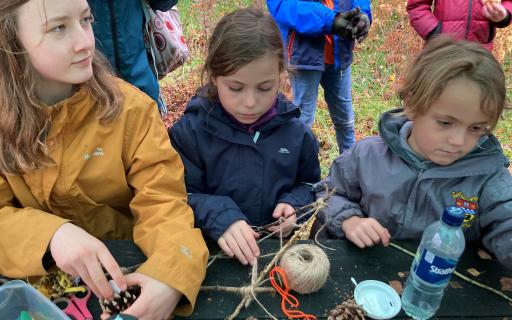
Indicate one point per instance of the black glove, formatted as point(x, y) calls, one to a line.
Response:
point(360, 26)
point(342, 25)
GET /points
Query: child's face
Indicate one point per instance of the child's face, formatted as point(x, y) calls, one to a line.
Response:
point(251, 91)
point(59, 41)
point(452, 126)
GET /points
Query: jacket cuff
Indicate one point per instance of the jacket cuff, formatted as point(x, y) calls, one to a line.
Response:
point(222, 223)
point(329, 21)
point(334, 225)
point(503, 23)
point(41, 242)
point(292, 200)
point(436, 31)
point(184, 270)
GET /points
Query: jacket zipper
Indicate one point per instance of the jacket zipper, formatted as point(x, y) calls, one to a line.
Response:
point(470, 12)
point(411, 204)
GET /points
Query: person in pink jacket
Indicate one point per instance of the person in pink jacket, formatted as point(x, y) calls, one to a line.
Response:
point(473, 20)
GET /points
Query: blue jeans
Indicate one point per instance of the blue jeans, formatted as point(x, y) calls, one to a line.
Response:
point(337, 94)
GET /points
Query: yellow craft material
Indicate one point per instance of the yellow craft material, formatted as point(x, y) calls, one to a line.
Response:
point(306, 267)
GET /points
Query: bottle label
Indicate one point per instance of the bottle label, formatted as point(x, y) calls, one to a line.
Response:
point(433, 269)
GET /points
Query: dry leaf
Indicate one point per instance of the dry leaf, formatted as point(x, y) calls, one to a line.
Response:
point(506, 284)
point(473, 272)
point(397, 285)
point(455, 285)
point(484, 255)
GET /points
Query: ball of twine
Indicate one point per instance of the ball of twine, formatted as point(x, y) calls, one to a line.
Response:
point(306, 267)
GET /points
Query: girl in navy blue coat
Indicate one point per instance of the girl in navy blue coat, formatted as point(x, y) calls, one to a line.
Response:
point(248, 158)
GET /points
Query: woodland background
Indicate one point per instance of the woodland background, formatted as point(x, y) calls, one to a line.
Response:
point(376, 71)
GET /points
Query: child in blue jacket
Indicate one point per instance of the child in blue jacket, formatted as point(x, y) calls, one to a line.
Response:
point(319, 36)
point(248, 157)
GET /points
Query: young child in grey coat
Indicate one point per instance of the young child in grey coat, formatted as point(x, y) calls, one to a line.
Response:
point(437, 151)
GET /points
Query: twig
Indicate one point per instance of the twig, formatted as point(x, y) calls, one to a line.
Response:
point(237, 290)
point(463, 277)
point(317, 205)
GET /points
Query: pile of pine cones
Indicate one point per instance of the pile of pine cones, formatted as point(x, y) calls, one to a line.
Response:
point(121, 301)
point(347, 310)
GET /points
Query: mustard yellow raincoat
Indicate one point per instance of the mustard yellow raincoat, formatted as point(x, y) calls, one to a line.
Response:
point(122, 180)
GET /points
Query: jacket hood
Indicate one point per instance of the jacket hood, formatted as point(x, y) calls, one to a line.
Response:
point(488, 149)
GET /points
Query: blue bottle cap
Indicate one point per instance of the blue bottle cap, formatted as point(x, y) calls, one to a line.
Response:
point(378, 299)
point(453, 216)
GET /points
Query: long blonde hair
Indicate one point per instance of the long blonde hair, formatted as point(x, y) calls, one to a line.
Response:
point(23, 116)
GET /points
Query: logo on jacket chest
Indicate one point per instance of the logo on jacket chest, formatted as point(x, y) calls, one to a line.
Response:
point(97, 152)
point(284, 150)
point(469, 205)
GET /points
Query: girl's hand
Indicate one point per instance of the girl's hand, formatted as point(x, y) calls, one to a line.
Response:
point(288, 212)
point(78, 253)
point(365, 232)
point(240, 240)
point(157, 300)
point(494, 11)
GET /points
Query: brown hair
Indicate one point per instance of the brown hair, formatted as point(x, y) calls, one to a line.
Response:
point(444, 59)
point(239, 38)
point(23, 116)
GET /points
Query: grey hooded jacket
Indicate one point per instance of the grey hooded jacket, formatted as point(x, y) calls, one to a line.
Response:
point(381, 177)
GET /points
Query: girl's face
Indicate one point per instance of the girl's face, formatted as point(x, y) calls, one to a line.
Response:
point(58, 39)
point(452, 125)
point(251, 91)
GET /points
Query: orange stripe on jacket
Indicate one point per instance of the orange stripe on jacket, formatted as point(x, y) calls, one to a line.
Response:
point(329, 41)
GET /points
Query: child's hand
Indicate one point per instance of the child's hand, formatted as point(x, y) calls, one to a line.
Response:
point(365, 232)
point(240, 240)
point(156, 301)
point(288, 212)
point(78, 253)
point(494, 11)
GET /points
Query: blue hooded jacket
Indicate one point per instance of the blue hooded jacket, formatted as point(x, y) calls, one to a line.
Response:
point(118, 29)
point(304, 24)
point(232, 175)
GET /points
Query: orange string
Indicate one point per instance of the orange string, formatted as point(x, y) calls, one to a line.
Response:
point(277, 274)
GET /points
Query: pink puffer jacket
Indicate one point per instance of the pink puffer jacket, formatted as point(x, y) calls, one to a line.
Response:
point(462, 18)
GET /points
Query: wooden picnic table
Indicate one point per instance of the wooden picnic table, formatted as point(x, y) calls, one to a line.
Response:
point(462, 300)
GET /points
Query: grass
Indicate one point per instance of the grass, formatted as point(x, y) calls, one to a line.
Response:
point(376, 71)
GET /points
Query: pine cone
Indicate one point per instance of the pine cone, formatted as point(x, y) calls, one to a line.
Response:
point(347, 310)
point(121, 301)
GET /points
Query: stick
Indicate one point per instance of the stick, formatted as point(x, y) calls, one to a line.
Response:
point(463, 277)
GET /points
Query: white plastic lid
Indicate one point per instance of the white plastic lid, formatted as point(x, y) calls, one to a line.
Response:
point(378, 299)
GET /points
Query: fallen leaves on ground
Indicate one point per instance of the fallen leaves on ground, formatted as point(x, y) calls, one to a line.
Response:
point(506, 284)
point(455, 285)
point(397, 285)
point(473, 272)
point(484, 255)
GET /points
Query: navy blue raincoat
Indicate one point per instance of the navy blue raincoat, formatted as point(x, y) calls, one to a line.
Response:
point(232, 175)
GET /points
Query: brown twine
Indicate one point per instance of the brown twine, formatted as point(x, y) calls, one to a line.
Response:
point(301, 233)
point(306, 266)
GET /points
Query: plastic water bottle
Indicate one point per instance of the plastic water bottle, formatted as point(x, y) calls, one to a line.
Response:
point(439, 251)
